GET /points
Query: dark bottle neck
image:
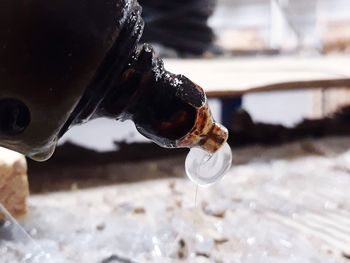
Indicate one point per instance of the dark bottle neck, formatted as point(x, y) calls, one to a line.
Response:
point(169, 109)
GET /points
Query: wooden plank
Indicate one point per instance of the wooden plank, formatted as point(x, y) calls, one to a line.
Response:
point(14, 189)
point(237, 76)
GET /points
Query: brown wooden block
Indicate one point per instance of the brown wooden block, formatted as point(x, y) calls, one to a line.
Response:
point(14, 188)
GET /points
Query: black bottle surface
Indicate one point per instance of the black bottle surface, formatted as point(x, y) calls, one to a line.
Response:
point(65, 62)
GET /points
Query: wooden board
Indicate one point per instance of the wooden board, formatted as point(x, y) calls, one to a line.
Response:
point(14, 189)
point(237, 76)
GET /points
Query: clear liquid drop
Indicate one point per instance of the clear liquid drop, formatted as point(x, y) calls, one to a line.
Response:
point(204, 168)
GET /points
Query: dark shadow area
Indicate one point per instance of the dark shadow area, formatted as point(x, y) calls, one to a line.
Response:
point(244, 131)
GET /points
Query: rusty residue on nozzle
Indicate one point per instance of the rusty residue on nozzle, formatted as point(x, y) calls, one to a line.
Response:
point(206, 133)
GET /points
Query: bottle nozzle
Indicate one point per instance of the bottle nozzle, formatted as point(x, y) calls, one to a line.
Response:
point(169, 109)
point(206, 133)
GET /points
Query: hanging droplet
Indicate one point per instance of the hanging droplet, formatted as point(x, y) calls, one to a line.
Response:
point(204, 168)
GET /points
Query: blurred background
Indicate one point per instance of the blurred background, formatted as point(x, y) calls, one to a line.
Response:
point(277, 74)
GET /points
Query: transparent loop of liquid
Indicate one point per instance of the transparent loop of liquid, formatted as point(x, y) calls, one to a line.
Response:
point(204, 168)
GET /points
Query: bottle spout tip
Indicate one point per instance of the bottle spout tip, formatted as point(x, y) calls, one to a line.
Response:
point(214, 139)
point(206, 133)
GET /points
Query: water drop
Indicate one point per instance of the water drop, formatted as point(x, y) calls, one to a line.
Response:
point(204, 168)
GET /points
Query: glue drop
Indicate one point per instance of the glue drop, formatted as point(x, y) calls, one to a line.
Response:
point(204, 168)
